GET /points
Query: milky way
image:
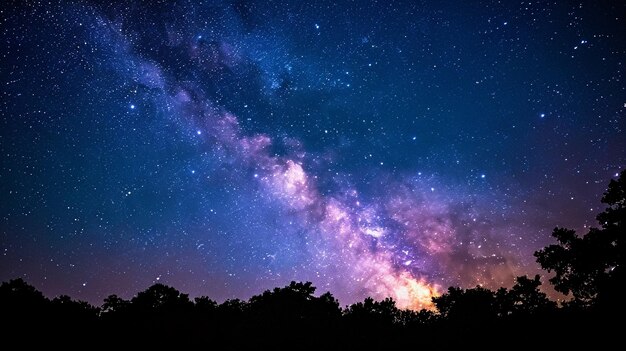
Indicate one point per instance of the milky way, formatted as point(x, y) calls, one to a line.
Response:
point(376, 150)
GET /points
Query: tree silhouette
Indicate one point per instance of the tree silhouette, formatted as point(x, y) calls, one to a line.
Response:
point(412, 319)
point(160, 297)
point(591, 266)
point(370, 323)
point(114, 304)
point(73, 314)
point(233, 307)
point(159, 309)
point(22, 305)
point(205, 316)
point(374, 312)
point(205, 305)
point(294, 302)
point(295, 311)
point(504, 302)
point(613, 221)
point(526, 297)
point(231, 315)
point(477, 305)
point(16, 293)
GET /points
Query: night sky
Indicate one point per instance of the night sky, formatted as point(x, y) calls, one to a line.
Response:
point(374, 148)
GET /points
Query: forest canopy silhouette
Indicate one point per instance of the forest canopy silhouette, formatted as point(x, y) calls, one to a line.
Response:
point(588, 268)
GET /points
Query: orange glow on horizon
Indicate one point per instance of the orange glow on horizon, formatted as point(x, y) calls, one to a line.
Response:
point(414, 294)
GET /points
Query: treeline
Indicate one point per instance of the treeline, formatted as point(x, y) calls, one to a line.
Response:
point(290, 315)
point(588, 268)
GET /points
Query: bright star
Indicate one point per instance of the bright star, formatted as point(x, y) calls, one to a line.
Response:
point(132, 107)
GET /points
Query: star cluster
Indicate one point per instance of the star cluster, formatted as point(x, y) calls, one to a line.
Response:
point(373, 148)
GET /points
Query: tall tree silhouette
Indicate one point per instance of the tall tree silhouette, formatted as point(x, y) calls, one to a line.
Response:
point(591, 267)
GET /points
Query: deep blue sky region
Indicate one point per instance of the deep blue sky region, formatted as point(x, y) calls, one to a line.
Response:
point(375, 148)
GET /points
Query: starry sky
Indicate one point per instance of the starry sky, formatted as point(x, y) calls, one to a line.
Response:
point(375, 148)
